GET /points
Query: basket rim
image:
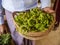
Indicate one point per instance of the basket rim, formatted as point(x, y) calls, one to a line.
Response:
point(36, 38)
point(52, 23)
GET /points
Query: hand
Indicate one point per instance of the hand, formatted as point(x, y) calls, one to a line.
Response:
point(1, 29)
point(48, 10)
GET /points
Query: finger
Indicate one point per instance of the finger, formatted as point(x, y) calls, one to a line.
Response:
point(51, 11)
point(1, 30)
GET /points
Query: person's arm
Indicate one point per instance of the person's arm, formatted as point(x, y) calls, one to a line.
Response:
point(1, 19)
point(1, 15)
point(46, 6)
point(45, 3)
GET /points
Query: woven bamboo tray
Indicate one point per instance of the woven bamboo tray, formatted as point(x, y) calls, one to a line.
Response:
point(35, 35)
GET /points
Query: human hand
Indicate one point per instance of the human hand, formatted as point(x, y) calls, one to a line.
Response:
point(48, 10)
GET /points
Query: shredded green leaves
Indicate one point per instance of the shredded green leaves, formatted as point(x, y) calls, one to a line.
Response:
point(5, 39)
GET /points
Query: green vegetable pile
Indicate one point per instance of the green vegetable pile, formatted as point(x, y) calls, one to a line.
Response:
point(34, 20)
point(5, 39)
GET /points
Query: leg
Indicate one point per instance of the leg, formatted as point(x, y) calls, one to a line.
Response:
point(18, 39)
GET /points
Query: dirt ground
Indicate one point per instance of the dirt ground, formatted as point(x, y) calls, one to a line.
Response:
point(52, 39)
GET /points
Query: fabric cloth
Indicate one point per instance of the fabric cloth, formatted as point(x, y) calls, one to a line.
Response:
point(22, 5)
point(1, 15)
point(45, 3)
point(17, 38)
point(18, 5)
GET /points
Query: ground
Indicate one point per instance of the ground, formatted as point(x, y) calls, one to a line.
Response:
point(53, 38)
